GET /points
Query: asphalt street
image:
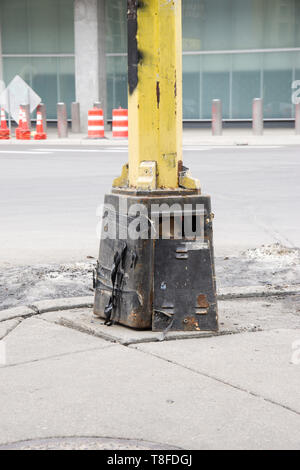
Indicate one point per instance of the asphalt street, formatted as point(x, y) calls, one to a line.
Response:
point(49, 198)
point(235, 391)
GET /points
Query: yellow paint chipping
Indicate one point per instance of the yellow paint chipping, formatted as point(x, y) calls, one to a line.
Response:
point(155, 107)
point(123, 180)
point(188, 182)
point(147, 176)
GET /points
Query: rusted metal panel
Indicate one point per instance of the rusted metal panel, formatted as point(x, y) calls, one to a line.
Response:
point(186, 283)
point(123, 290)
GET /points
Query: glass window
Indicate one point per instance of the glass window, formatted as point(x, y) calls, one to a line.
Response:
point(13, 17)
point(52, 78)
point(191, 87)
point(246, 83)
point(66, 82)
point(116, 83)
point(37, 26)
point(116, 26)
point(222, 25)
point(240, 24)
point(277, 84)
point(296, 62)
point(16, 66)
point(215, 83)
point(44, 82)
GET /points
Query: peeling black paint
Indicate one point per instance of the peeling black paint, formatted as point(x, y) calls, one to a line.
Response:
point(135, 56)
point(158, 94)
point(132, 45)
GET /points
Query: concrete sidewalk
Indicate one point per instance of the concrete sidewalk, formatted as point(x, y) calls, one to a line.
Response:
point(191, 137)
point(68, 375)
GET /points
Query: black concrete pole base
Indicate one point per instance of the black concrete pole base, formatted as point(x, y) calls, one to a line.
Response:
point(151, 282)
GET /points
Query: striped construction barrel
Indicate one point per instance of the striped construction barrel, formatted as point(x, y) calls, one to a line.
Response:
point(120, 123)
point(95, 124)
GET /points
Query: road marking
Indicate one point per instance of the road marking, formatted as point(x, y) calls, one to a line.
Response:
point(101, 150)
point(236, 147)
point(49, 151)
point(31, 152)
point(196, 149)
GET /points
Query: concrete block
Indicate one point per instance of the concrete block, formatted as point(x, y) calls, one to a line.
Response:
point(258, 363)
point(235, 316)
point(63, 304)
point(7, 326)
point(16, 312)
point(124, 393)
point(83, 320)
point(259, 314)
point(237, 292)
point(35, 339)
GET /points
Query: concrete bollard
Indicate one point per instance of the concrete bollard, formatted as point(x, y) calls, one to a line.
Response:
point(76, 118)
point(26, 108)
point(297, 118)
point(257, 116)
point(62, 120)
point(98, 104)
point(217, 119)
point(42, 108)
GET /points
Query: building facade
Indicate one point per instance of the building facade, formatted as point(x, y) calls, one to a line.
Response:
point(235, 50)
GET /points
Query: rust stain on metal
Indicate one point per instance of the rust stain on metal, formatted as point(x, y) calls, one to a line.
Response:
point(175, 86)
point(158, 94)
point(133, 315)
point(170, 159)
point(191, 324)
point(201, 311)
point(202, 301)
point(180, 169)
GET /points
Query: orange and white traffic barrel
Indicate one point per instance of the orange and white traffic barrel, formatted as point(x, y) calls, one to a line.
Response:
point(95, 124)
point(4, 131)
point(120, 123)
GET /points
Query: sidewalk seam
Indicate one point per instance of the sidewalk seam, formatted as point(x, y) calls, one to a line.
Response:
point(115, 340)
point(221, 297)
point(9, 366)
point(69, 325)
point(35, 310)
point(253, 295)
point(219, 380)
point(10, 330)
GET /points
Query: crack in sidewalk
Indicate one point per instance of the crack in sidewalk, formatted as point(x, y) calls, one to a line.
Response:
point(71, 326)
point(55, 356)
point(10, 330)
point(175, 363)
point(222, 381)
point(111, 343)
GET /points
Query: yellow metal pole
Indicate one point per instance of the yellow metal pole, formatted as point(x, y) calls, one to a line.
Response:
point(137, 277)
point(155, 97)
point(155, 109)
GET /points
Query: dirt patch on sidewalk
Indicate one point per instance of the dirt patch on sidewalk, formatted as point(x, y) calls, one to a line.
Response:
point(273, 265)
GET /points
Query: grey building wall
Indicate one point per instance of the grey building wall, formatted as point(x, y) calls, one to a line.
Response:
point(90, 60)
